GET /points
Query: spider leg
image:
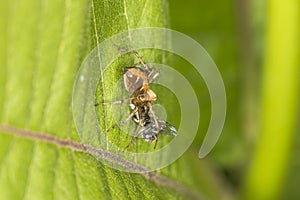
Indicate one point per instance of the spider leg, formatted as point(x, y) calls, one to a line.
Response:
point(149, 70)
point(121, 49)
point(156, 142)
point(136, 134)
point(141, 60)
point(156, 123)
point(115, 102)
point(123, 122)
point(153, 116)
point(134, 52)
point(154, 77)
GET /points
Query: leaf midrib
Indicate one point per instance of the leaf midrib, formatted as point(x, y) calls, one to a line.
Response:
point(74, 146)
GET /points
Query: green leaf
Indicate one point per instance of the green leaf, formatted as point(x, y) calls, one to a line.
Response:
point(42, 47)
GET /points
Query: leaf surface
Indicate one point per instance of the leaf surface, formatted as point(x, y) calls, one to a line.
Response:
point(43, 45)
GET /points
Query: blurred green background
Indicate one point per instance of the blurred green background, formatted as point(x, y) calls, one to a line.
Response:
point(255, 45)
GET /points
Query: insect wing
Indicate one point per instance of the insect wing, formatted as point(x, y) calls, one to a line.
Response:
point(166, 128)
point(150, 132)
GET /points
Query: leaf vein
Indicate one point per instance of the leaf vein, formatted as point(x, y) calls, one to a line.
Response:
point(6, 155)
point(75, 177)
point(101, 80)
point(54, 174)
point(103, 177)
point(53, 75)
point(127, 19)
point(143, 12)
point(101, 154)
point(29, 171)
